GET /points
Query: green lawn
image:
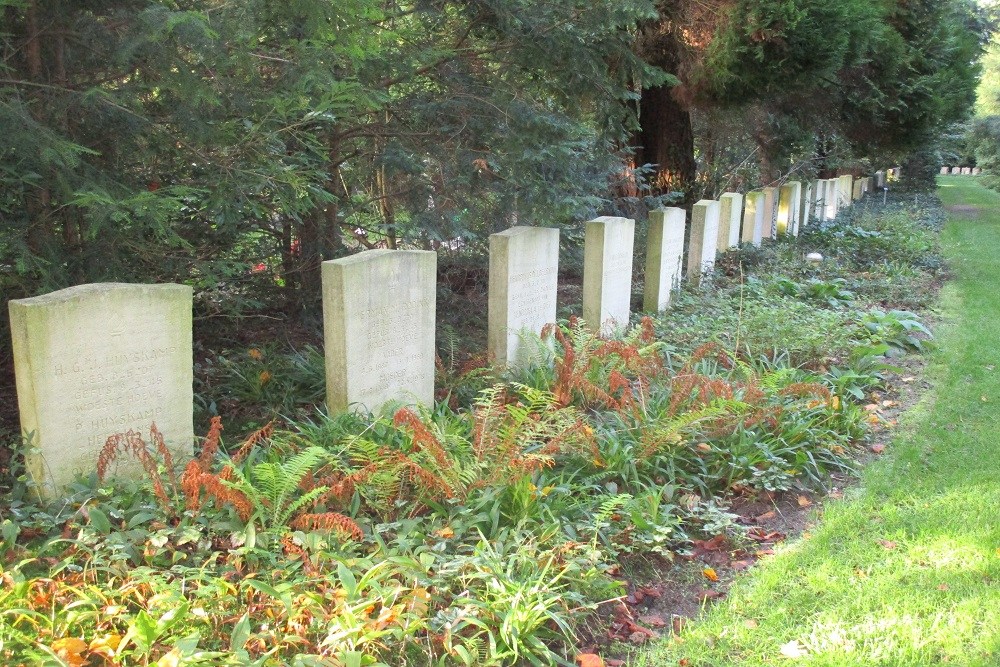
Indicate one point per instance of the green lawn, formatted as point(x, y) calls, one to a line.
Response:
point(840, 596)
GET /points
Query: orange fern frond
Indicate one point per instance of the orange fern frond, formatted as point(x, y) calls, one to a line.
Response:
point(332, 521)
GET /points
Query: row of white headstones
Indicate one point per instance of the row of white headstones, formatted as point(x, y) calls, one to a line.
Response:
point(99, 359)
point(965, 171)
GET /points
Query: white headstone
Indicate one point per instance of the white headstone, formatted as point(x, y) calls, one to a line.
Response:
point(378, 327)
point(880, 178)
point(944, 170)
point(753, 218)
point(956, 170)
point(788, 209)
point(859, 189)
point(846, 191)
point(607, 273)
point(524, 279)
point(704, 232)
point(770, 212)
point(832, 202)
point(730, 214)
point(95, 360)
point(966, 170)
point(976, 171)
point(664, 256)
point(805, 203)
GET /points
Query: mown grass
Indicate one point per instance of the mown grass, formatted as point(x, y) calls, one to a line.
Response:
point(906, 569)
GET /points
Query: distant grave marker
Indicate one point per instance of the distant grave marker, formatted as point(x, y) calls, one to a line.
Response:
point(607, 273)
point(378, 327)
point(664, 256)
point(524, 278)
point(704, 232)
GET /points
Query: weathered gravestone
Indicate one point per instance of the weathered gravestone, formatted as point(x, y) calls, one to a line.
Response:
point(846, 189)
point(730, 214)
point(378, 328)
point(607, 273)
point(770, 212)
point(524, 277)
point(956, 170)
point(976, 171)
point(832, 200)
point(859, 189)
point(944, 170)
point(664, 256)
point(817, 199)
point(753, 218)
point(966, 170)
point(788, 209)
point(880, 179)
point(95, 360)
point(805, 203)
point(704, 232)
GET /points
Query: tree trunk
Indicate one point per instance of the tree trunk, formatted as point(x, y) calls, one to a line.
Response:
point(666, 136)
point(666, 139)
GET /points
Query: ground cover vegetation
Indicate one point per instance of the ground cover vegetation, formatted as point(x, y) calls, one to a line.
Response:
point(902, 570)
point(497, 527)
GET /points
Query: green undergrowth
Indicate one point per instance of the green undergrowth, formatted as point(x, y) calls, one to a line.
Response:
point(904, 571)
point(489, 528)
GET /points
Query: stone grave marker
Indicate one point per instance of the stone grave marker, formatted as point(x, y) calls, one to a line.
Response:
point(95, 360)
point(770, 212)
point(524, 276)
point(704, 232)
point(859, 190)
point(966, 170)
point(788, 209)
point(832, 200)
point(753, 218)
point(664, 256)
point(944, 170)
point(378, 327)
point(607, 273)
point(846, 191)
point(976, 171)
point(730, 214)
point(805, 203)
point(956, 170)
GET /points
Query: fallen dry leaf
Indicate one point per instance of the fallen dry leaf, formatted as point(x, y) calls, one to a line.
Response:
point(677, 623)
point(710, 574)
point(878, 448)
point(589, 660)
point(803, 501)
point(69, 649)
point(445, 532)
point(740, 565)
point(708, 595)
point(888, 544)
point(767, 516)
point(653, 620)
point(793, 649)
point(750, 623)
point(105, 646)
point(704, 447)
point(943, 587)
point(638, 637)
point(172, 659)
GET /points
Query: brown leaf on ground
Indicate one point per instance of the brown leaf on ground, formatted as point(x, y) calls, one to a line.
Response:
point(638, 637)
point(740, 565)
point(750, 623)
point(710, 574)
point(589, 660)
point(709, 595)
point(653, 620)
point(878, 448)
point(677, 624)
point(888, 544)
point(767, 516)
point(803, 501)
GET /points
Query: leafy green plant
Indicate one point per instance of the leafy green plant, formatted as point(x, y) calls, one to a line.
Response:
point(896, 328)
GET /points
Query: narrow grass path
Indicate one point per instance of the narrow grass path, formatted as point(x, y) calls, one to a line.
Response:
point(929, 592)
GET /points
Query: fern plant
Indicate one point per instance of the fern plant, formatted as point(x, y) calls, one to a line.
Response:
point(273, 487)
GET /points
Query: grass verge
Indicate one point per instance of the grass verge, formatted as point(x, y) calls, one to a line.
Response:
point(905, 570)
